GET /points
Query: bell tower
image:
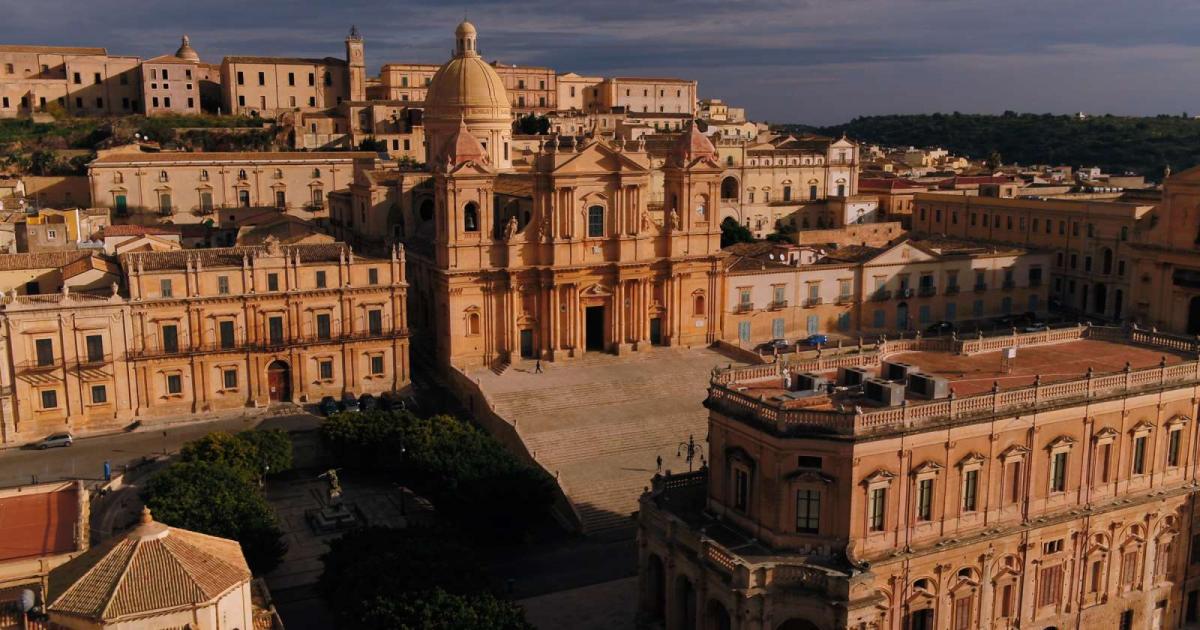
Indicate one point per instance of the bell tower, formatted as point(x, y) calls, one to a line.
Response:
point(691, 181)
point(356, 66)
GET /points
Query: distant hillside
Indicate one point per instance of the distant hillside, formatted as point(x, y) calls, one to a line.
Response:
point(1114, 143)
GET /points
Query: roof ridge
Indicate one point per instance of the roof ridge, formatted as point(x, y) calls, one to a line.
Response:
point(176, 545)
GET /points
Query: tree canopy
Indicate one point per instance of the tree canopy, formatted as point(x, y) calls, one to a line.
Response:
point(251, 453)
point(734, 232)
point(217, 499)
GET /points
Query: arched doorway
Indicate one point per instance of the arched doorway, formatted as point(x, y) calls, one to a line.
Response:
point(656, 588)
point(425, 212)
point(716, 617)
point(685, 603)
point(1193, 323)
point(1118, 298)
point(902, 316)
point(1100, 298)
point(279, 381)
point(729, 188)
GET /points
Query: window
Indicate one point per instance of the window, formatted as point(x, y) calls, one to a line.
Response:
point(262, 78)
point(223, 285)
point(1129, 567)
point(174, 384)
point(325, 369)
point(970, 490)
point(99, 394)
point(45, 352)
point(925, 500)
point(164, 203)
point(372, 276)
point(291, 78)
point(1173, 447)
point(241, 78)
point(206, 201)
point(324, 330)
point(272, 282)
point(1014, 482)
point(49, 399)
point(375, 322)
point(1058, 472)
point(275, 330)
point(76, 78)
point(320, 279)
point(1050, 586)
point(1126, 620)
point(377, 364)
point(808, 511)
point(1096, 577)
point(471, 217)
point(225, 334)
point(595, 224)
point(95, 348)
point(170, 338)
point(962, 612)
point(229, 378)
point(1006, 601)
point(876, 507)
point(1104, 461)
point(244, 198)
point(741, 489)
point(1139, 455)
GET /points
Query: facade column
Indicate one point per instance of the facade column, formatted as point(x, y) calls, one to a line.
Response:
point(554, 318)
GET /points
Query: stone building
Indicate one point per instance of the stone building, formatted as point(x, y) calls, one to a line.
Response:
point(180, 83)
point(154, 576)
point(1091, 241)
point(82, 81)
point(1052, 489)
point(551, 257)
point(204, 330)
point(269, 86)
point(1164, 274)
point(195, 187)
point(903, 286)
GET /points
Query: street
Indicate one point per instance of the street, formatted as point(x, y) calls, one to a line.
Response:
point(85, 459)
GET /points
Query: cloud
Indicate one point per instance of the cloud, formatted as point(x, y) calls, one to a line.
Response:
point(819, 61)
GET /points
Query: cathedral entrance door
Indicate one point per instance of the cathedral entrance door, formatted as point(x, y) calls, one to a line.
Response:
point(279, 382)
point(526, 343)
point(656, 331)
point(594, 328)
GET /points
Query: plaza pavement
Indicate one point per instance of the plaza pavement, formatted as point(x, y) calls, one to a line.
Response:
point(599, 422)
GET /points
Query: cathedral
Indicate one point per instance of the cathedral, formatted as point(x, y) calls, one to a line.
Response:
point(551, 249)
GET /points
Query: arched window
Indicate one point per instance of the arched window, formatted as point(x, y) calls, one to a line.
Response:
point(242, 173)
point(729, 188)
point(595, 223)
point(162, 176)
point(426, 210)
point(278, 173)
point(473, 323)
point(316, 172)
point(471, 217)
point(203, 175)
point(698, 305)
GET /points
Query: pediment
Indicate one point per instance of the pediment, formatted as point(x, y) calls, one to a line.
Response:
point(809, 475)
point(927, 467)
point(972, 459)
point(1016, 450)
point(1106, 433)
point(901, 253)
point(599, 157)
point(470, 167)
point(595, 290)
point(879, 476)
point(1062, 441)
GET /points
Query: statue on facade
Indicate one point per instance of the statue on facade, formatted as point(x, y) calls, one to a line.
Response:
point(510, 228)
point(674, 220)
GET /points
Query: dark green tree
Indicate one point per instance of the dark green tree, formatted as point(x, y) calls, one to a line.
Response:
point(533, 125)
point(251, 453)
point(734, 232)
point(217, 499)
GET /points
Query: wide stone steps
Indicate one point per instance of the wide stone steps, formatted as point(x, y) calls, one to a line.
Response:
point(558, 399)
point(557, 448)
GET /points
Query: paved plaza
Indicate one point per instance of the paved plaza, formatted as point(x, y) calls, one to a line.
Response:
point(601, 421)
point(603, 606)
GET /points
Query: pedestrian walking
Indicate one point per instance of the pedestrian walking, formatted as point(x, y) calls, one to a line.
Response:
point(537, 366)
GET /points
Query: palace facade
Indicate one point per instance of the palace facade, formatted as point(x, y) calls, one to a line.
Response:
point(200, 331)
point(951, 489)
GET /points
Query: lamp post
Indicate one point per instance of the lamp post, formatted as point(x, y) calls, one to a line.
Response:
point(690, 448)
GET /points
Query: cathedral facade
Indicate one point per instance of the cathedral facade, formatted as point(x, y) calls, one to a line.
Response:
point(554, 252)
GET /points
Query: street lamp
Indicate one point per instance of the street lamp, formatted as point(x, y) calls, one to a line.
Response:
point(691, 449)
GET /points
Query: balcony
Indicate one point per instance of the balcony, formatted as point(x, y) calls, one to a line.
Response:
point(904, 294)
point(1035, 282)
point(1008, 285)
point(845, 299)
point(743, 307)
point(980, 287)
point(813, 301)
point(927, 291)
point(778, 304)
point(951, 290)
point(881, 294)
point(266, 345)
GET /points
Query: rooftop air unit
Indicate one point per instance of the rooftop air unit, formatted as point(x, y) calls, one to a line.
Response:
point(809, 381)
point(896, 371)
point(852, 376)
point(884, 392)
point(928, 386)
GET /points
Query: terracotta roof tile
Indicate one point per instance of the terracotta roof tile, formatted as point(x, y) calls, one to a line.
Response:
point(138, 230)
point(40, 260)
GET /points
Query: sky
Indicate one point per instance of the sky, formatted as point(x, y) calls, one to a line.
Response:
point(803, 61)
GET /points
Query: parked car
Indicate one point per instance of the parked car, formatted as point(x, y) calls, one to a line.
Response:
point(328, 406)
point(941, 328)
point(773, 345)
point(367, 402)
point(391, 401)
point(55, 440)
point(349, 403)
point(815, 340)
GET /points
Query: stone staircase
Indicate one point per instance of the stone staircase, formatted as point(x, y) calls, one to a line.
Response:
point(600, 422)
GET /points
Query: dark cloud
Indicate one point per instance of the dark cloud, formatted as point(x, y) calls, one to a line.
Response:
point(804, 60)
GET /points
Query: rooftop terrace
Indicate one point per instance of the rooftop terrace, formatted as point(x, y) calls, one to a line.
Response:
point(1054, 367)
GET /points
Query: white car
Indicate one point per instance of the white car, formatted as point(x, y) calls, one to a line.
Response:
point(57, 439)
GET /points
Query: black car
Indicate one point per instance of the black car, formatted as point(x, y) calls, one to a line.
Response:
point(349, 403)
point(941, 328)
point(328, 406)
point(367, 402)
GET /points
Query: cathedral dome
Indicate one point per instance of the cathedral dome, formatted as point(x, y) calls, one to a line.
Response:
point(467, 87)
point(186, 52)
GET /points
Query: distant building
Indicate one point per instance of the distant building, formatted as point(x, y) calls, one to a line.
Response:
point(180, 83)
point(80, 81)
